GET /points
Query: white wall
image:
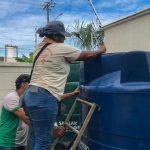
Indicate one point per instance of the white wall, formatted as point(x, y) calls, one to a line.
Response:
point(129, 35)
point(8, 74)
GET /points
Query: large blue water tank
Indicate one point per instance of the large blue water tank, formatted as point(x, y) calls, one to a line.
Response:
point(120, 84)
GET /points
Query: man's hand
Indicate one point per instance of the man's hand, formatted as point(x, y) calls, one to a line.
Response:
point(21, 114)
point(77, 90)
point(59, 131)
point(89, 54)
point(102, 48)
point(67, 95)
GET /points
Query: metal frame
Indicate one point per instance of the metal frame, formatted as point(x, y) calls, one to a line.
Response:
point(83, 127)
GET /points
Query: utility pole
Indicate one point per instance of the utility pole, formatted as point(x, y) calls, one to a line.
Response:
point(48, 5)
point(35, 36)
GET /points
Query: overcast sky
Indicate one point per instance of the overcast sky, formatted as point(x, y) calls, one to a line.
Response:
point(19, 18)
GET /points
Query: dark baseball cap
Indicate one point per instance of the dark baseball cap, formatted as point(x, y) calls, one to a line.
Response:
point(22, 78)
point(53, 27)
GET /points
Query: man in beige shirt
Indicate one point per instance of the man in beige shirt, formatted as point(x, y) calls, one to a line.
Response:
point(48, 81)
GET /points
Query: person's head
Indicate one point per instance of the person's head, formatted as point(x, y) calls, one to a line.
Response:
point(54, 30)
point(22, 82)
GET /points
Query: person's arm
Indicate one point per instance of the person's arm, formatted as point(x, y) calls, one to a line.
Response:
point(89, 54)
point(67, 95)
point(21, 114)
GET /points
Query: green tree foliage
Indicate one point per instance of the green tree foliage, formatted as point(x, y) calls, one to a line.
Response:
point(87, 36)
point(25, 58)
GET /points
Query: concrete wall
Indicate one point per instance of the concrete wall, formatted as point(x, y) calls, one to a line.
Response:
point(130, 35)
point(8, 74)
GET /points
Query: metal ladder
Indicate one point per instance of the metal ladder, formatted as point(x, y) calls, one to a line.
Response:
point(83, 127)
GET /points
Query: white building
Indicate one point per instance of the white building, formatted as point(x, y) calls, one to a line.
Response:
point(129, 33)
point(11, 52)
